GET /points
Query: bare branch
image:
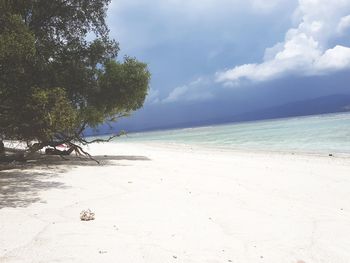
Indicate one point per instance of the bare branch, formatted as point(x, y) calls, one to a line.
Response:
point(85, 142)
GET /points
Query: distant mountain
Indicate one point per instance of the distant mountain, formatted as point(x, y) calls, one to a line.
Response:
point(321, 105)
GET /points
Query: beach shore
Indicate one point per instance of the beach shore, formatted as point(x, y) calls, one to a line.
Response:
point(170, 203)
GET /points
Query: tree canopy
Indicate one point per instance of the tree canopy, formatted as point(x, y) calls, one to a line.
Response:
point(55, 78)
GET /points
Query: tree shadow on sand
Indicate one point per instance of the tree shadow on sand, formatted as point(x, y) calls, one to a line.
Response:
point(22, 183)
point(21, 188)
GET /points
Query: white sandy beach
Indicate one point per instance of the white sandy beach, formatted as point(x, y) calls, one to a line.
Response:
point(161, 204)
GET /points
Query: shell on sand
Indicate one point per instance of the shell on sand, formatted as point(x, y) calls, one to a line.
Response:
point(87, 215)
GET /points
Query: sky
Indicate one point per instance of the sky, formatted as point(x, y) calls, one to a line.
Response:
point(215, 58)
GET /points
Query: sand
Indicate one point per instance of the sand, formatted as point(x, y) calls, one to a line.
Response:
point(171, 203)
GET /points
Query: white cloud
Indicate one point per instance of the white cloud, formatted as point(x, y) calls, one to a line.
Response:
point(152, 97)
point(194, 91)
point(177, 93)
point(344, 24)
point(334, 59)
point(305, 50)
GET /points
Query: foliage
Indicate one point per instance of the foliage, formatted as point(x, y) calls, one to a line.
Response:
point(54, 82)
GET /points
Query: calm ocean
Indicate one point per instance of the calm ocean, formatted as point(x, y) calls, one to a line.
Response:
point(313, 134)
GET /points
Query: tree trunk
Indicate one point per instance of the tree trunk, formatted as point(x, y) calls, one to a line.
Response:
point(2, 148)
point(52, 151)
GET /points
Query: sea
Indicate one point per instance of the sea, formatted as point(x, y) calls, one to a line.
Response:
point(329, 133)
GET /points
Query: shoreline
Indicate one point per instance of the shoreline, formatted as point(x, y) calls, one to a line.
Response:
point(207, 148)
point(158, 203)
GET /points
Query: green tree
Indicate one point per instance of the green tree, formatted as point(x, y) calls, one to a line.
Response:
point(54, 82)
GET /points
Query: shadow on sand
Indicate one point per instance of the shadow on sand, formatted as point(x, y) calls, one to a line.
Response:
point(21, 183)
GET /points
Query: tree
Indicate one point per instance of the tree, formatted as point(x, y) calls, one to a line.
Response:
point(54, 82)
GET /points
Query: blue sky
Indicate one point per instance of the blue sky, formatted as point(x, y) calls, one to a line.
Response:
point(220, 56)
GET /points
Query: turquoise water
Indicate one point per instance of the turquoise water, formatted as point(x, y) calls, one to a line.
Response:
point(314, 134)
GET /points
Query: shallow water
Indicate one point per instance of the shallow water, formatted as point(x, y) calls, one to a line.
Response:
point(313, 134)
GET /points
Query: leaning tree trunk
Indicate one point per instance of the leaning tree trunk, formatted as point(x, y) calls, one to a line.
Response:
point(2, 148)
